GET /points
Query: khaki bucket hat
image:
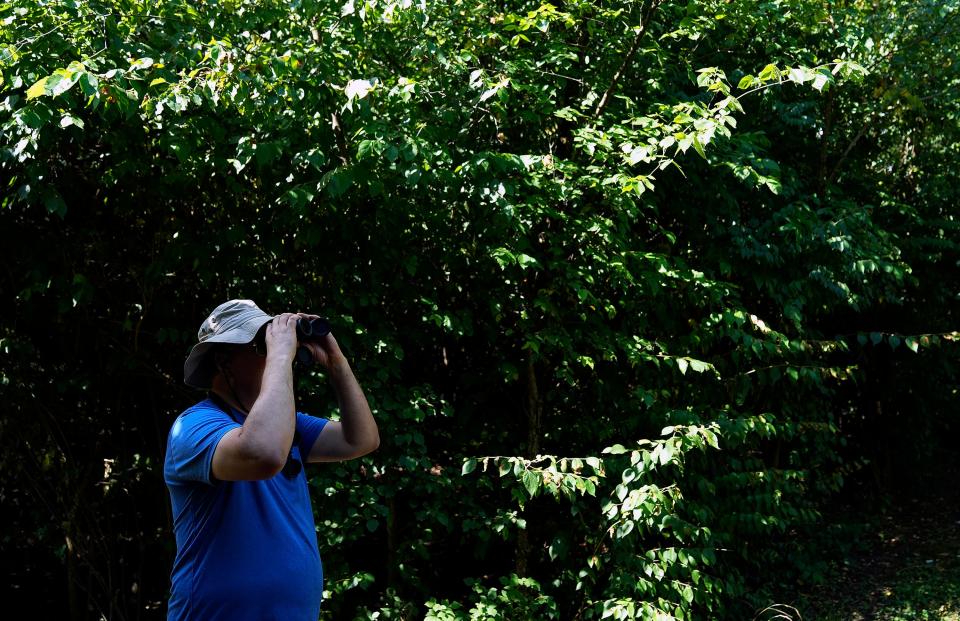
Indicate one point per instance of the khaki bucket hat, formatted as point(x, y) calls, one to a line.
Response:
point(235, 322)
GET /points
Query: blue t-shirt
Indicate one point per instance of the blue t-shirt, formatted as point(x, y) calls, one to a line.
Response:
point(245, 549)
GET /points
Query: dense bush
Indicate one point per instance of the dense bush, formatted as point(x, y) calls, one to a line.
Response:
point(634, 289)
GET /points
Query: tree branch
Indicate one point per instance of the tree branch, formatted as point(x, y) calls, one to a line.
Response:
point(627, 59)
point(341, 139)
point(860, 134)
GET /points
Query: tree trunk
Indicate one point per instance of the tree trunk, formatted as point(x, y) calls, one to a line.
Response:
point(534, 432)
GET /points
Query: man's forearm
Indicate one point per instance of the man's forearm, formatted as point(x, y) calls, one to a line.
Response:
point(271, 423)
point(359, 427)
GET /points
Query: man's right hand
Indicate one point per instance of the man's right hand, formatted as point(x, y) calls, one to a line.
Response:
point(281, 338)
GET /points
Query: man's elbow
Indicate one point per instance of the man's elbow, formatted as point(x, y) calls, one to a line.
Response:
point(268, 468)
point(247, 467)
point(264, 457)
point(267, 464)
point(368, 448)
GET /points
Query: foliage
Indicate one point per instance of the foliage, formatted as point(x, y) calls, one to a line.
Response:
point(638, 285)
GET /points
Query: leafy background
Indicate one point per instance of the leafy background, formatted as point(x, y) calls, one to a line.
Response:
point(641, 294)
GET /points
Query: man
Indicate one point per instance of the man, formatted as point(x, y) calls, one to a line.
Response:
point(246, 537)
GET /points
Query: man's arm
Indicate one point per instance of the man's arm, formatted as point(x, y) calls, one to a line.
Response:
point(258, 449)
point(355, 434)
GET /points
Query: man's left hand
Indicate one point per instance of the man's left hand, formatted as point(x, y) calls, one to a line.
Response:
point(326, 351)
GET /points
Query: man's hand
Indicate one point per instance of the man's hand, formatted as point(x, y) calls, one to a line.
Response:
point(326, 351)
point(281, 338)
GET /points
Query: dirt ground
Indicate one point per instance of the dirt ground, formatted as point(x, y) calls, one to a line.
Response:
point(909, 571)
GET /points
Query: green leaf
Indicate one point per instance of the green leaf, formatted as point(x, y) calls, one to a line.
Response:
point(69, 119)
point(60, 82)
point(699, 366)
point(699, 147)
point(88, 83)
point(912, 344)
point(38, 89)
point(531, 481)
point(503, 257)
point(820, 80)
point(682, 365)
point(798, 75)
point(712, 439)
point(54, 204)
point(768, 73)
point(876, 337)
point(356, 89)
point(142, 63)
point(746, 82)
point(525, 260)
point(894, 341)
point(666, 453)
point(469, 466)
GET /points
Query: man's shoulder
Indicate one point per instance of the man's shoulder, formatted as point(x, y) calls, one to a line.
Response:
point(204, 406)
point(190, 444)
point(198, 414)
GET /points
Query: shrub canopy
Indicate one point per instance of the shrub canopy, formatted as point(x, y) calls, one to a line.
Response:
point(636, 290)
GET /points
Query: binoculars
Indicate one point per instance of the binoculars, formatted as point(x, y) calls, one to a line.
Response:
point(308, 331)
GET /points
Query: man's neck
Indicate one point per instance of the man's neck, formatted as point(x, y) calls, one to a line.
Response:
point(227, 393)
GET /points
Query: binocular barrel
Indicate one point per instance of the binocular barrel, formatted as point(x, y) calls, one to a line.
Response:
point(308, 331)
point(312, 329)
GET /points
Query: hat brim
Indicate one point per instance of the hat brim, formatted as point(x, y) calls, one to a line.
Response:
point(197, 372)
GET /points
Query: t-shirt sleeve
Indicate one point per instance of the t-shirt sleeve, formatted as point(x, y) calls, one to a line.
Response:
point(309, 428)
point(193, 441)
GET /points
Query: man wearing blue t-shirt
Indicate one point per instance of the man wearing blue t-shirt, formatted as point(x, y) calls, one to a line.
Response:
point(246, 538)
